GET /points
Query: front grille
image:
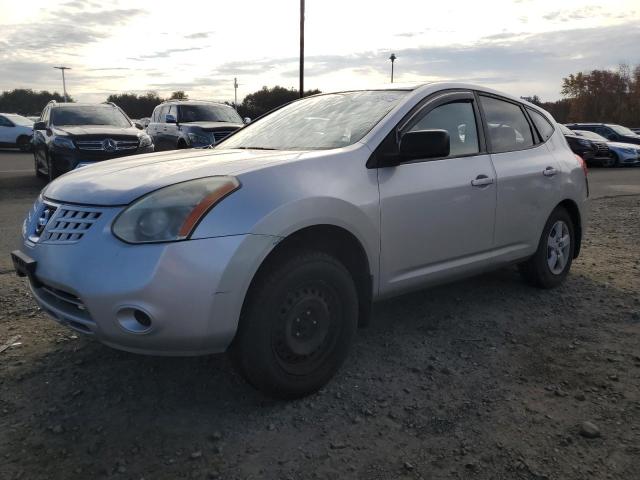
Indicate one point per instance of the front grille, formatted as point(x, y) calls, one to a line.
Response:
point(219, 135)
point(101, 146)
point(65, 307)
point(67, 298)
point(601, 148)
point(69, 224)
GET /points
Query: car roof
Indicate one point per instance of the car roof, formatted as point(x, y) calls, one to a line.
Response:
point(195, 102)
point(80, 104)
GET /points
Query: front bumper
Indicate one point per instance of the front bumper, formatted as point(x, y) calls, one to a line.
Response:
point(192, 291)
point(66, 159)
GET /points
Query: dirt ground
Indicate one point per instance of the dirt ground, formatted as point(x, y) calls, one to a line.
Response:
point(485, 378)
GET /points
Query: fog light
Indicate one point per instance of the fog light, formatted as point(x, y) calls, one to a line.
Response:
point(134, 320)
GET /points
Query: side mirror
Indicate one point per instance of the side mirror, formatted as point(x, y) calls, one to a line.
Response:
point(138, 126)
point(246, 120)
point(424, 144)
point(40, 126)
point(168, 118)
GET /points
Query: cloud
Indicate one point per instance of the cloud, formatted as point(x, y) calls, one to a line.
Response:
point(168, 52)
point(197, 35)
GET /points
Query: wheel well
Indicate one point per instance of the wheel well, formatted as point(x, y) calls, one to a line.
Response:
point(337, 242)
point(182, 143)
point(22, 136)
point(571, 207)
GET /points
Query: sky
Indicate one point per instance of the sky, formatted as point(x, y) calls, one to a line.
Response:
point(522, 47)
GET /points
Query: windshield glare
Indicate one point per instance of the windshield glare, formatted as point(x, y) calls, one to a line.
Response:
point(591, 135)
point(89, 115)
point(620, 130)
point(318, 123)
point(208, 113)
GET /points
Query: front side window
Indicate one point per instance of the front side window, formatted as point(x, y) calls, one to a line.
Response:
point(89, 115)
point(459, 120)
point(318, 123)
point(208, 113)
point(508, 128)
point(545, 129)
point(4, 122)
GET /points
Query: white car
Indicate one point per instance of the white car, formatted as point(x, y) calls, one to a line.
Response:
point(15, 131)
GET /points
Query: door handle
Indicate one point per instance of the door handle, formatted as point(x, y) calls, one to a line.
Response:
point(549, 172)
point(481, 181)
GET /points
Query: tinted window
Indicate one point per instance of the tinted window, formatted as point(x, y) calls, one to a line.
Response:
point(508, 127)
point(154, 117)
point(459, 120)
point(545, 129)
point(208, 113)
point(5, 123)
point(89, 115)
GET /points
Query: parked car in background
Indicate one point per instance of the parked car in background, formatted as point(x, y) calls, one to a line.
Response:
point(635, 130)
point(274, 244)
point(15, 131)
point(144, 121)
point(623, 154)
point(612, 132)
point(69, 135)
point(191, 124)
point(592, 151)
point(33, 118)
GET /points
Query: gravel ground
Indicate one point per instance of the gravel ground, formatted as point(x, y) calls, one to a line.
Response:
point(485, 378)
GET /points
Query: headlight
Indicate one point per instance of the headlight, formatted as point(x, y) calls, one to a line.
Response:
point(172, 213)
point(145, 140)
point(63, 142)
point(199, 139)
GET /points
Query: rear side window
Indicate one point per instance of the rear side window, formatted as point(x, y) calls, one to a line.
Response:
point(508, 128)
point(459, 120)
point(545, 129)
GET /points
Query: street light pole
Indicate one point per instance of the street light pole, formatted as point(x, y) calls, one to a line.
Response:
point(301, 48)
point(393, 59)
point(235, 93)
point(64, 84)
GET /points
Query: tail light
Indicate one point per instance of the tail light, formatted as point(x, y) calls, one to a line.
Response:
point(583, 164)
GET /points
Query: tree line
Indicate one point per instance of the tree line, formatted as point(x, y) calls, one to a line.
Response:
point(608, 96)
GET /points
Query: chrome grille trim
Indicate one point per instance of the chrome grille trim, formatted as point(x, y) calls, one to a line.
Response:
point(97, 145)
point(219, 135)
point(69, 224)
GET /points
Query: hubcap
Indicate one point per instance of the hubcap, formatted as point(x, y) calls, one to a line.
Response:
point(306, 328)
point(558, 247)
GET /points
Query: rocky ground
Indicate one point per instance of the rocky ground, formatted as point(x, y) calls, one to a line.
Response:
point(485, 378)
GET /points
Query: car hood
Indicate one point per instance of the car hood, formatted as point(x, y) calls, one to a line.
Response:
point(623, 145)
point(212, 125)
point(120, 181)
point(102, 130)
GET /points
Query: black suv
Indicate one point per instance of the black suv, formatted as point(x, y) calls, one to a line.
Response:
point(190, 123)
point(592, 151)
point(69, 135)
point(613, 133)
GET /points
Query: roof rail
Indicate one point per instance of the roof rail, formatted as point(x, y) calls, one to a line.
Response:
point(51, 101)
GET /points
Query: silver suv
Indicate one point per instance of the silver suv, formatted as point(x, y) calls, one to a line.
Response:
point(274, 244)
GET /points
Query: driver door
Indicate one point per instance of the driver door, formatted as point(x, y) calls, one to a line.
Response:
point(438, 215)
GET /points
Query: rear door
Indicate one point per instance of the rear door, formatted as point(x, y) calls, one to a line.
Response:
point(437, 215)
point(527, 175)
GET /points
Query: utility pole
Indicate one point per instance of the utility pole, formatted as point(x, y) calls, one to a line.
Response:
point(64, 85)
point(393, 59)
point(301, 48)
point(235, 93)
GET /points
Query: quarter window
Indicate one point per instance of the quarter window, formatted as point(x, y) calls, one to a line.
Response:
point(459, 120)
point(508, 127)
point(545, 129)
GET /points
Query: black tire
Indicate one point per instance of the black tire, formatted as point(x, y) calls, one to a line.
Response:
point(39, 174)
point(52, 171)
point(308, 294)
point(616, 160)
point(24, 144)
point(536, 270)
point(610, 162)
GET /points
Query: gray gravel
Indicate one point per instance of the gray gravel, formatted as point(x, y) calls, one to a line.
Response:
point(485, 378)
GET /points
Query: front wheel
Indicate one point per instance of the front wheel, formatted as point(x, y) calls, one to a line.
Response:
point(297, 326)
point(551, 263)
point(24, 144)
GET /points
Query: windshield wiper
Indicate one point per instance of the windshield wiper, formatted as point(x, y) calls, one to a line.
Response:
point(256, 148)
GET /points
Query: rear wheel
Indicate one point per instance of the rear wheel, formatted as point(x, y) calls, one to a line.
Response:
point(24, 144)
point(551, 263)
point(297, 326)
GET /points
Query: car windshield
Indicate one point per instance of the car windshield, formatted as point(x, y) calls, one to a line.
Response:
point(20, 120)
point(89, 115)
point(620, 130)
point(208, 113)
point(318, 123)
point(591, 135)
